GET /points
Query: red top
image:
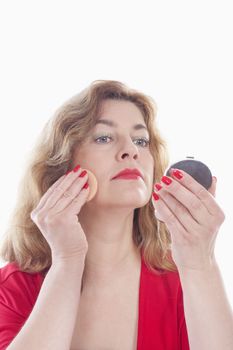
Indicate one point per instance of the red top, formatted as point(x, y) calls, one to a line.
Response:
point(161, 322)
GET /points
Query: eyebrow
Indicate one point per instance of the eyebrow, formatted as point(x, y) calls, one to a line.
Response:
point(113, 124)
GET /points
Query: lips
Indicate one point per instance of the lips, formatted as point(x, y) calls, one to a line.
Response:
point(127, 173)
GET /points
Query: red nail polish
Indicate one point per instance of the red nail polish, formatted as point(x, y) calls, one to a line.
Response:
point(178, 174)
point(166, 180)
point(83, 173)
point(156, 197)
point(76, 168)
point(158, 186)
point(86, 185)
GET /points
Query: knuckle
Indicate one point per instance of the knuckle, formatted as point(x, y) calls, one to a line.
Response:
point(40, 217)
point(50, 220)
point(76, 200)
point(50, 189)
point(211, 229)
point(56, 219)
point(189, 181)
point(59, 189)
point(175, 186)
point(221, 216)
point(170, 219)
point(32, 214)
point(181, 209)
point(202, 193)
point(79, 197)
point(195, 204)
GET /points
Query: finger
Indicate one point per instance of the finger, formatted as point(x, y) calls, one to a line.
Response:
point(181, 213)
point(193, 195)
point(157, 215)
point(186, 198)
point(212, 188)
point(48, 193)
point(64, 186)
point(74, 207)
point(71, 195)
point(175, 227)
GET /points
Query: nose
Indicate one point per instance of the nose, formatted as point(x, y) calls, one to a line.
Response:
point(128, 150)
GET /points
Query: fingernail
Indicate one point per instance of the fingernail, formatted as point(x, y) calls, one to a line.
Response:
point(178, 174)
point(158, 186)
point(166, 180)
point(69, 171)
point(76, 168)
point(86, 185)
point(83, 173)
point(156, 197)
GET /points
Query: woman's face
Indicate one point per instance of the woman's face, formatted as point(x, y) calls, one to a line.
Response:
point(108, 150)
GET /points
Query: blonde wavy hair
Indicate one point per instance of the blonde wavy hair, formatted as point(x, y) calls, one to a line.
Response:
point(23, 243)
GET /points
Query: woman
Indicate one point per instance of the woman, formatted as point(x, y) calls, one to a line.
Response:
point(112, 272)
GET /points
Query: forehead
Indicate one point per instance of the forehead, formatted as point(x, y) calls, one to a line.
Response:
point(120, 113)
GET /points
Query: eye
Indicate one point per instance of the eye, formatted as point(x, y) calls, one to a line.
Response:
point(102, 137)
point(144, 141)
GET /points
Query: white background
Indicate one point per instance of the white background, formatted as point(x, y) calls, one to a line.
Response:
point(178, 52)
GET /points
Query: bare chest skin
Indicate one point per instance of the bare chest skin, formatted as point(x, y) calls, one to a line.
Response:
point(109, 321)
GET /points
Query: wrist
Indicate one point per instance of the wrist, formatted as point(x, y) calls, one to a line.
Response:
point(69, 261)
point(200, 274)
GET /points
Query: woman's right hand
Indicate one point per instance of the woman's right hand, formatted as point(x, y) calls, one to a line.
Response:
point(56, 215)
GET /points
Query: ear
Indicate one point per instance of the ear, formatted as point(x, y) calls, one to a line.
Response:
point(212, 188)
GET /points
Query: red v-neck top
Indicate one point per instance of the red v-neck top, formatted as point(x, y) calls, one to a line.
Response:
point(161, 322)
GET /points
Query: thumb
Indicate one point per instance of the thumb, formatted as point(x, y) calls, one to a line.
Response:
point(212, 188)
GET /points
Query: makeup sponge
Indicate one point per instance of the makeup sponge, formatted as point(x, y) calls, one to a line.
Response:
point(198, 170)
point(92, 181)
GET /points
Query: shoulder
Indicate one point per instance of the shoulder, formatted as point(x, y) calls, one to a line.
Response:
point(19, 289)
point(18, 294)
point(11, 272)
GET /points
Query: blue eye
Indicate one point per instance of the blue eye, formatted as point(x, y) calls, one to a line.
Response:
point(102, 137)
point(146, 141)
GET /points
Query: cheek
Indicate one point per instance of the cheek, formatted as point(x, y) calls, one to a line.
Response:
point(149, 170)
point(86, 159)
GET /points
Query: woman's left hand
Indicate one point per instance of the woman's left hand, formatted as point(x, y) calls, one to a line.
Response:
point(192, 217)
